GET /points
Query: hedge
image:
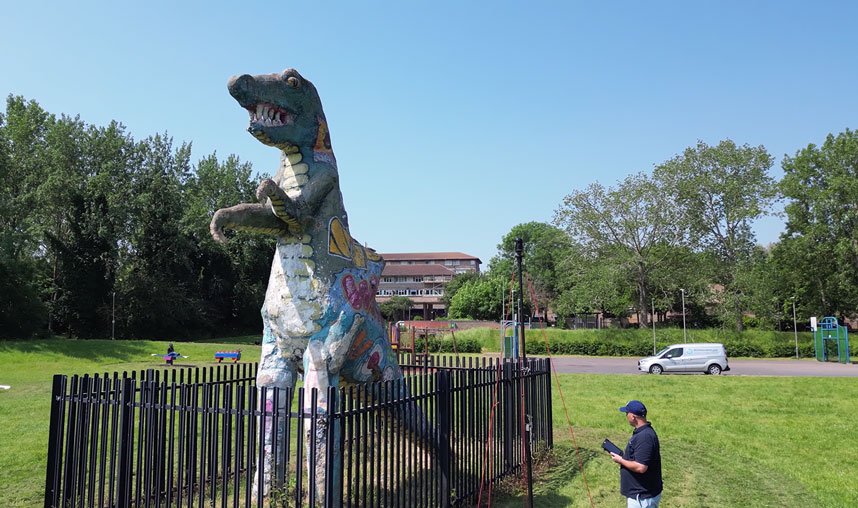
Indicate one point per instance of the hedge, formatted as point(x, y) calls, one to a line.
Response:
point(637, 342)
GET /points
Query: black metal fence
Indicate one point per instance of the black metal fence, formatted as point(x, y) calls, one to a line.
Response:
point(196, 437)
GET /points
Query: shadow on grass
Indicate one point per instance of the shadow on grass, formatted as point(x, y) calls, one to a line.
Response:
point(552, 472)
point(251, 340)
point(94, 350)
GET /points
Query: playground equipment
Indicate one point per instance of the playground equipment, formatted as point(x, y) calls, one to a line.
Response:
point(170, 357)
point(509, 338)
point(229, 355)
point(830, 334)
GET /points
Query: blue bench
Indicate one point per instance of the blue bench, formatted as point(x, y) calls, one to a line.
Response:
point(234, 355)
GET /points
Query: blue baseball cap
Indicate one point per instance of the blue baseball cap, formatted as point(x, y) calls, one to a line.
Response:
point(634, 407)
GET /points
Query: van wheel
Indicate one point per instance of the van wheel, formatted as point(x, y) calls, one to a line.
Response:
point(714, 369)
point(655, 369)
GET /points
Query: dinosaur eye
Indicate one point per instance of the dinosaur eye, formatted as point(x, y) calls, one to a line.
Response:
point(293, 81)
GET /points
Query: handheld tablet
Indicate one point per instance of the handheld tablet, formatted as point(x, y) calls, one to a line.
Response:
point(611, 447)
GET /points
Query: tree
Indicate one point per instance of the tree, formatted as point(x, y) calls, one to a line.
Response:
point(231, 277)
point(86, 212)
point(481, 298)
point(594, 285)
point(545, 249)
point(721, 190)
point(456, 283)
point(767, 290)
point(818, 252)
point(621, 226)
point(23, 262)
point(396, 308)
point(159, 291)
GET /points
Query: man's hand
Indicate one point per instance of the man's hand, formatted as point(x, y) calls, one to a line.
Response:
point(635, 467)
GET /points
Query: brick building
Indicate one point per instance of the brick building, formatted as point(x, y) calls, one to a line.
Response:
point(421, 276)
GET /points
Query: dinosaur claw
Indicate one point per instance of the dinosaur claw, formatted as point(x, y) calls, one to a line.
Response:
point(216, 228)
point(266, 189)
point(218, 235)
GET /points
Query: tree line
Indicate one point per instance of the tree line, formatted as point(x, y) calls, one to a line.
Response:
point(683, 232)
point(102, 235)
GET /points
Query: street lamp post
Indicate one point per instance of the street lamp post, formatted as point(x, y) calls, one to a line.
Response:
point(653, 326)
point(525, 430)
point(684, 332)
point(113, 318)
point(794, 327)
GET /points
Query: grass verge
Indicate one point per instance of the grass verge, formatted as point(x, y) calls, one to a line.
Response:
point(726, 440)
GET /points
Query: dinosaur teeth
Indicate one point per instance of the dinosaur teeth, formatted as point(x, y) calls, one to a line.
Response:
point(270, 116)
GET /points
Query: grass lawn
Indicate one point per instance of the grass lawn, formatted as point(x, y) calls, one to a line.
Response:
point(28, 366)
point(726, 441)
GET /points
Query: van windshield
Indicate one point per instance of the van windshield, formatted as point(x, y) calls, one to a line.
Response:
point(663, 351)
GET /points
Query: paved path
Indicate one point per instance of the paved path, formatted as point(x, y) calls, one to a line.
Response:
point(738, 367)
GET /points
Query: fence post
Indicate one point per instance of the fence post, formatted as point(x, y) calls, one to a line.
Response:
point(55, 441)
point(443, 403)
point(549, 403)
point(126, 446)
point(509, 426)
point(333, 463)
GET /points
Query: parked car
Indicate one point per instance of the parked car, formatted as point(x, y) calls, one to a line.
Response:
point(709, 358)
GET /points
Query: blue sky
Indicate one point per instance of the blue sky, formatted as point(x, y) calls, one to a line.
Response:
point(454, 121)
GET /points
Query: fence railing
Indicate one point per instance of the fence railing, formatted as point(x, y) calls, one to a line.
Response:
point(196, 437)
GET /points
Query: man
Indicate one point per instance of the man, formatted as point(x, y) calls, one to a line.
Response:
point(640, 464)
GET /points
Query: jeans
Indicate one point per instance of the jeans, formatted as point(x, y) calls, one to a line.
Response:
point(651, 502)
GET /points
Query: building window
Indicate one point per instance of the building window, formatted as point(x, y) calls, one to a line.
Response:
point(412, 292)
point(388, 279)
point(418, 279)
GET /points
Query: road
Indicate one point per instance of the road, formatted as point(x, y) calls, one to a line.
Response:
point(738, 367)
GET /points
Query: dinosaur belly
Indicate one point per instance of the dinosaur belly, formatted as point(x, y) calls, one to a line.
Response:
point(295, 297)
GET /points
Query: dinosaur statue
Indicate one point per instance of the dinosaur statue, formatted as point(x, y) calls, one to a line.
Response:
point(319, 316)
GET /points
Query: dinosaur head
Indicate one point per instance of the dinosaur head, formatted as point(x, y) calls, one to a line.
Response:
point(285, 110)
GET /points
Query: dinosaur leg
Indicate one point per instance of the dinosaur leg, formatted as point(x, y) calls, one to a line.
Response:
point(322, 363)
point(277, 374)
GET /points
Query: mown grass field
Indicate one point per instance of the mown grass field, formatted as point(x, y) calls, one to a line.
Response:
point(28, 366)
point(726, 441)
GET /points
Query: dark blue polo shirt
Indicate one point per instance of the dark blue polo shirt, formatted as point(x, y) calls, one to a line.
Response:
point(643, 447)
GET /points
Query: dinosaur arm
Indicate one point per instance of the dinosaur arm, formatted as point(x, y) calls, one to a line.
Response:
point(338, 342)
point(307, 203)
point(281, 204)
point(250, 217)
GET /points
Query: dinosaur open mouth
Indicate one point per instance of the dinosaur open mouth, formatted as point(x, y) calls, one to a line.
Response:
point(270, 115)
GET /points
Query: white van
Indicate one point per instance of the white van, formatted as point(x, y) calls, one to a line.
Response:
point(709, 358)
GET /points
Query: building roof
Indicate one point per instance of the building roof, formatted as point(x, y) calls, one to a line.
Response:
point(416, 300)
point(391, 270)
point(426, 256)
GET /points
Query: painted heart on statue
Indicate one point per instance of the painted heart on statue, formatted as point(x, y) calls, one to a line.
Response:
point(359, 294)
